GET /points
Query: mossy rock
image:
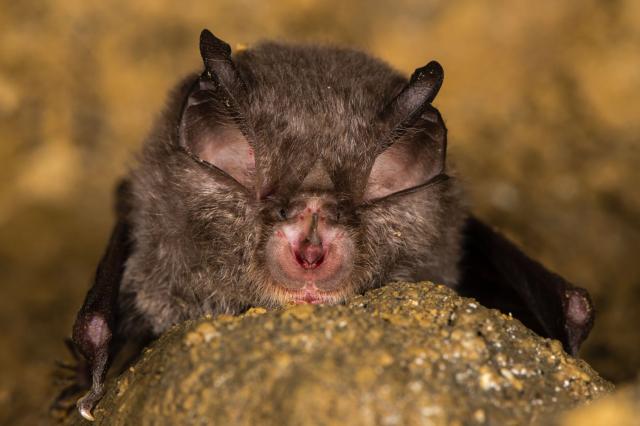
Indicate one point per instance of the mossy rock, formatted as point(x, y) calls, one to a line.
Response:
point(402, 354)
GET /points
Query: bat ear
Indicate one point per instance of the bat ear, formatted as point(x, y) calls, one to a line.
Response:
point(421, 90)
point(415, 150)
point(211, 129)
point(216, 55)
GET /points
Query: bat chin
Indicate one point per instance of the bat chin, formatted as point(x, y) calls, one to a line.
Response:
point(309, 293)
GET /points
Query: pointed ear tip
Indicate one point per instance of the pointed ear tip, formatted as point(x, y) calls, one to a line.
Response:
point(212, 47)
point(434, 69)
point(431, 74)
point(205, 34)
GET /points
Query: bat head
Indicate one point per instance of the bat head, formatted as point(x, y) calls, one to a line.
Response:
point(335, 162)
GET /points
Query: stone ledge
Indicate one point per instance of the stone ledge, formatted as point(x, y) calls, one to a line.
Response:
point(402, 354)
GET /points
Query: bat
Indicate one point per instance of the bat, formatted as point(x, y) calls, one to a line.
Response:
point(299, 174)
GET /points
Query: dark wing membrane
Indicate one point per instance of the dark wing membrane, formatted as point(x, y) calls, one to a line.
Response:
point(499, 275)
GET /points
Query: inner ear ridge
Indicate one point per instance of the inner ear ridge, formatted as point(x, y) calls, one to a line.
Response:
point(404, 143)
point(428, 121)
point(213, 131)
point(224, 95)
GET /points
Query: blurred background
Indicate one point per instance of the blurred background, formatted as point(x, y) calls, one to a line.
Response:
point(542, 102)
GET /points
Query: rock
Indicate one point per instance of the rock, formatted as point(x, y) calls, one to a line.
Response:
point(402, 354)
point(621, 408)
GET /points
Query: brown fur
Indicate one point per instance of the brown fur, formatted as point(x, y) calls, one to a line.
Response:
point(199, 238)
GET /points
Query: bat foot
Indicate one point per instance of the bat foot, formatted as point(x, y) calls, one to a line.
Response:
point(75, 378)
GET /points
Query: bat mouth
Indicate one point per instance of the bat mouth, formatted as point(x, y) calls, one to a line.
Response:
point(310, 260)
point(310, 272)
point(315, 269)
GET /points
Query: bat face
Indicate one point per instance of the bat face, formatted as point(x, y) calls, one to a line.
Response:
point(290, 174)
point(313, 157)
point(309, 252)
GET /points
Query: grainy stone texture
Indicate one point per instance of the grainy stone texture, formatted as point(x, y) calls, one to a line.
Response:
point(621, 408)
point(402, 354)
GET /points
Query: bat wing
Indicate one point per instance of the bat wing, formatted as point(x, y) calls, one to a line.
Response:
point(95, 326)
point(499, 275)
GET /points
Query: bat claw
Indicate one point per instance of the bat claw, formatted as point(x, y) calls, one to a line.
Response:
point(86, 413)
point(87, 403)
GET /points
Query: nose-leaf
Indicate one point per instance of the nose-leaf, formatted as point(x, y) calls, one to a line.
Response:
point(313, 238)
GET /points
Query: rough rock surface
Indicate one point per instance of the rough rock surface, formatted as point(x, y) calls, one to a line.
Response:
point(621, 408)
point(402, 354)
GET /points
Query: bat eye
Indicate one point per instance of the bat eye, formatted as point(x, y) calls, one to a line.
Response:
point(334, 212)
point(282, 214)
